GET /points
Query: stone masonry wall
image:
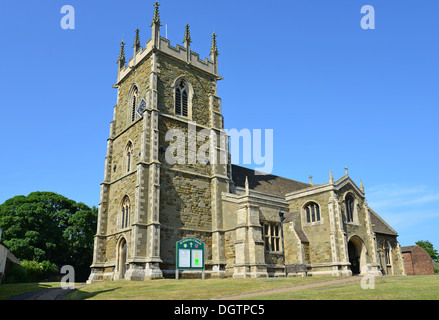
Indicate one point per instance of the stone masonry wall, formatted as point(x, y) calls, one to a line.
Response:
point(139, 77)
point(316, 232)
point(203, 86)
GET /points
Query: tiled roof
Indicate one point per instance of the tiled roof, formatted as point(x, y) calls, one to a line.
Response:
point(407, 248)
point(267, 183)
point(379, 225)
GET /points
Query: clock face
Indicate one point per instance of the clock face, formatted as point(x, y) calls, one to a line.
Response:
point(141, 108)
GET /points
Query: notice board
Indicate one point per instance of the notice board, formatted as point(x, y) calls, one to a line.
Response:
point(189, 254)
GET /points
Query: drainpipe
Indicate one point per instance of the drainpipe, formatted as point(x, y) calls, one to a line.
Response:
point(282, 218)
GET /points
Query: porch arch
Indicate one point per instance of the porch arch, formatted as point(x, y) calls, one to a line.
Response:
point(357, 254)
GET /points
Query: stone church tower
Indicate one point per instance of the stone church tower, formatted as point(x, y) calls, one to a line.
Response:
point(168, 176)
point(147, 203)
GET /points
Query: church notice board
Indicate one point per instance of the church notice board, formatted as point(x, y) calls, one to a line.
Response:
point(190, 254)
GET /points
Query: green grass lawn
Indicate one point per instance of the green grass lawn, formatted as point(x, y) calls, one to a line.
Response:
point(387, 288)
point(183, 289)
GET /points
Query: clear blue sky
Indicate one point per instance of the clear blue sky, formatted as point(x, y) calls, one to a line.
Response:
point(334, 94)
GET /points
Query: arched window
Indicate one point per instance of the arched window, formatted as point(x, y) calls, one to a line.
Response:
point(387, 252)
point(134, 99)
point(350, 207)
point(181, 99)
point(126, 211)
point(129, 155)
point(312, 211)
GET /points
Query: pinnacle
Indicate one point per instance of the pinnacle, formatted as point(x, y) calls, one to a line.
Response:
point(214, 48)
point(122, 52)
point(187, 35)
point(136, 39)
point(156, 18)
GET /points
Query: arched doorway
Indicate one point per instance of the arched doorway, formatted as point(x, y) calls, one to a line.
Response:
point(122, 258)
point(354, 258)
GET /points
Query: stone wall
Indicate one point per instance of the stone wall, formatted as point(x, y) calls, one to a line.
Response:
point(319, 247)
point(203, 86)
point(395, 267)
point(139, 77)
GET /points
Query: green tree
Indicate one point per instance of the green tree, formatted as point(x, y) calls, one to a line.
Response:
point(48, 226)
point(428, 246)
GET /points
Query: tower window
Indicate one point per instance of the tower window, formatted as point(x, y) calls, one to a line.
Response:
point(129, 156)
point(181, 99)
point(134, 99)
point(312, 210)
point(126, 211)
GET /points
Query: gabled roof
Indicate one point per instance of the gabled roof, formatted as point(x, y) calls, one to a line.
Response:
point(379, 225)
point(267, 183)
point(343, 181)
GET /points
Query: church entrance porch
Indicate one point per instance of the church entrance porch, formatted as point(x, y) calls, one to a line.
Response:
point(354, 259)
point(357, 254)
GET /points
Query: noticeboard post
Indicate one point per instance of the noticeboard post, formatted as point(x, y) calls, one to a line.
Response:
point(189, 255)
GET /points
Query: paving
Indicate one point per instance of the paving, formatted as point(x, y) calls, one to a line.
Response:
point(56, 293)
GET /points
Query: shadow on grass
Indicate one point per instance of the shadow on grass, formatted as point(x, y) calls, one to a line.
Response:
point(83, 295)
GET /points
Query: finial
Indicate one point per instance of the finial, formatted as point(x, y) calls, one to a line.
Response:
point(122, 53)
point(156, 18)
point(346, 168)
point(310, 180)
point(187, 35)
point(361, 186)
point(331, 178)
point(137, 40)
point(247, 189)
point(214, 47)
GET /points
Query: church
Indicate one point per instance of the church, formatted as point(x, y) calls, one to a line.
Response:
point(251, 224)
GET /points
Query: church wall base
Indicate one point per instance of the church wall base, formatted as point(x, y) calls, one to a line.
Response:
point(248, 271)
point(100, 274)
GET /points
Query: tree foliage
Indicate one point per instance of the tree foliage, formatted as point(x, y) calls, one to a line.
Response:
point(48, 226)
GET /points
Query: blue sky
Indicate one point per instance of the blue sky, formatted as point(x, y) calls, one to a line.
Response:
point(334, 94)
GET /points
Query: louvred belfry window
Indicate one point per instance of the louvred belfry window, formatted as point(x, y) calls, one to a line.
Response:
point(181, 99)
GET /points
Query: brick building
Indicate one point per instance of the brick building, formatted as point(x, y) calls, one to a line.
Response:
point(417, 261)
point(149, 202)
